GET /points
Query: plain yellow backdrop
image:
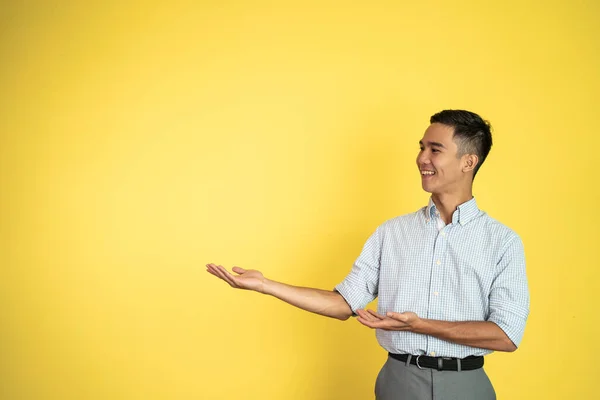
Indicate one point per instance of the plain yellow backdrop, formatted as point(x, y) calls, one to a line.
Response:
point(140, 141)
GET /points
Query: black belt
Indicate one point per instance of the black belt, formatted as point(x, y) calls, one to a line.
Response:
point(442, 363)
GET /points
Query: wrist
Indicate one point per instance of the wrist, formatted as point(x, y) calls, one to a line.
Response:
point(266, 287)
point(422, 326)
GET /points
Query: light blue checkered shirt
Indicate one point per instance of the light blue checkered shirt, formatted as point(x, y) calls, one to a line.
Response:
point(472, 269)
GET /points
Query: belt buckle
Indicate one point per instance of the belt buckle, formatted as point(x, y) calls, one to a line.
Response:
point(417, 362)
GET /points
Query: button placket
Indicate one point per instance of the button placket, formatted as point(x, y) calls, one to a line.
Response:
point(437, 275)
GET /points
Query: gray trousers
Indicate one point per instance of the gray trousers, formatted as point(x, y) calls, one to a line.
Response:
point(402, 381)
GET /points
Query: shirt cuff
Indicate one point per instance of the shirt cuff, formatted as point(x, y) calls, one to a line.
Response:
point(511, 323)
point(354, 298)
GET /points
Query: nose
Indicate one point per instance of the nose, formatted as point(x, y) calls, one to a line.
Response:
point(422, 158)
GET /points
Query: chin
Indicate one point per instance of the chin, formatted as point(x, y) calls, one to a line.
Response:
point(427, 189)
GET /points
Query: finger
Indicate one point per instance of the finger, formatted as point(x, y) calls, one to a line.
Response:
point(365, 315)
point(230, 279)
point(226, 276)
point(378, 324)
point(373, 313)
point(365, 322)
point(212, 267)
point(387, 324)
point(370, 317)
point(212, 270)
point(238, 270)
point(372, 321)
point(397, 316)
point(219, 274)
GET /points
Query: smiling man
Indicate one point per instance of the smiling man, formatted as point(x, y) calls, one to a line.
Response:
point(450, 279)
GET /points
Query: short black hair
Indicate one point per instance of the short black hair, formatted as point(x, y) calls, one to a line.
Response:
point(472, 134)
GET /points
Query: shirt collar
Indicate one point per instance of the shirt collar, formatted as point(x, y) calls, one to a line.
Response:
point(464, 213)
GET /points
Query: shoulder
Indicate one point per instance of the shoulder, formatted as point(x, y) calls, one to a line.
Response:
point(498, 230)
point(402, 222)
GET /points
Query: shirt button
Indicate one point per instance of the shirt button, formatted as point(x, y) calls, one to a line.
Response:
point(443, 233)
point(433, 353)
point(436, 293)
point(438, 262)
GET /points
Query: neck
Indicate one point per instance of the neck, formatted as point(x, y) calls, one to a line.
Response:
point(447, 203)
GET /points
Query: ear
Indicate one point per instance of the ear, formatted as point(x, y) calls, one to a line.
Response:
point(470, 161)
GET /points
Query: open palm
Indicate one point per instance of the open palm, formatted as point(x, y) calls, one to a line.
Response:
point(245, 279)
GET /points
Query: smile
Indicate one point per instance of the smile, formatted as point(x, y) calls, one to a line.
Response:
point(427, 172)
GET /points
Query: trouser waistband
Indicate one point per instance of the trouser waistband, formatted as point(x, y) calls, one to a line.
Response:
point(441, 363)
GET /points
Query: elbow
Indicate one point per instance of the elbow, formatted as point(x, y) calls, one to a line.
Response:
point(344, 317)
point(338, 311)
point(508, 346)
point(504, 342)
point(343, 309)
point(344, 314)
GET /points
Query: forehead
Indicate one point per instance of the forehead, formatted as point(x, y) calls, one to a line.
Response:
point(439, 133)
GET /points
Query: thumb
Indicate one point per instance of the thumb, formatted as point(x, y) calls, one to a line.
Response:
point(238, 270)
point(397, 316)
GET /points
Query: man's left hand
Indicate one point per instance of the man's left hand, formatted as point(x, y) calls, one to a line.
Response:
point(392, 321)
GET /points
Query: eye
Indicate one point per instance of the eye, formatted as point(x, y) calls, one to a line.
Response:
point(435, 150)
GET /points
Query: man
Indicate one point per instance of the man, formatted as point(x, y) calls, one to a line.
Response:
point(450, 279)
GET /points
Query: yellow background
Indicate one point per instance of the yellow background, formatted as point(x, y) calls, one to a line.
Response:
point(141, 141)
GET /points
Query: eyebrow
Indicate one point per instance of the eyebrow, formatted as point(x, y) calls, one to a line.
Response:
point(433, 144)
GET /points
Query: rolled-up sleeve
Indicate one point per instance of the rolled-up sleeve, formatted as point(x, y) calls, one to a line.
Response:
point(360, 287)
point(509, 295)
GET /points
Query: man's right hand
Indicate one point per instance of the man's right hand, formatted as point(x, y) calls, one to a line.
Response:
point(323, 302)
point(245, 279)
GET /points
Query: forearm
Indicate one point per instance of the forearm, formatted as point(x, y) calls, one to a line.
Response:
point(318, 301)
point(482, 334)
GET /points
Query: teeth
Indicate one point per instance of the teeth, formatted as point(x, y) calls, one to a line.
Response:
point(427, 172)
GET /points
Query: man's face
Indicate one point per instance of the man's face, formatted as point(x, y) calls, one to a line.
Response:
point(440, 168)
